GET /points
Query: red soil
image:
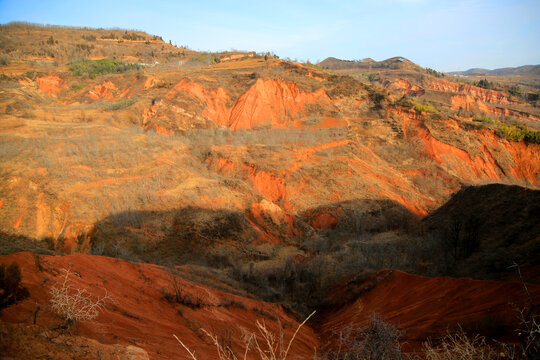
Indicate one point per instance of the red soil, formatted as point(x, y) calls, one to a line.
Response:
point(305, 154)
point(139, 315)
point(525, 156)
point(324, 221)
point(269, 217)
point(215, 101)
point(150, 82)
point(463, 102)
point(17, 223)
point(404, 87)
point(329, 122)
point(415, 208)
point(51, 85)
point(457, 160)
point(107, 91)
point(270, 185)
point(468, 102)
point(424, 307)
point(160, 130)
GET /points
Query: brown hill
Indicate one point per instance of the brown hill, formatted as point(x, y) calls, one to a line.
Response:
point(368, 64)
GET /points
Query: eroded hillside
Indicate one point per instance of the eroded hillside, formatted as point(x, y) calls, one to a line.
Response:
point(279, 178)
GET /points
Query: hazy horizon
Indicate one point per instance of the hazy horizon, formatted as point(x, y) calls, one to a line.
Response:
point(444, 35)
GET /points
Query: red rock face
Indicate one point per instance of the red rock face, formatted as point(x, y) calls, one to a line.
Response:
point(324, 221)
point(526, 157)
point(215, 101)
point(449, 155)
point(485, 95)
point(404, 87)
point(481, 166)
point(273, 103)
point(106, 91)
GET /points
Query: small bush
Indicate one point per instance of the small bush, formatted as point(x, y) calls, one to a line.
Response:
point(404, 101)
point(205, 58)
point(516, 133)
point(85, 47)
point(78, 86)
point(122, 104)
point(93, 68)
point(180, 297)
point(378, 340)
point(515, 90)
point(11, 290)
point(75, 304)
point(89, 37)
point(109, 36)
point(4, 60)
point(424, 106)
point(484, 83)
point(132, 36)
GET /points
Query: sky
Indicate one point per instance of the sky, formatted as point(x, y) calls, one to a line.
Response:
point(443, 35)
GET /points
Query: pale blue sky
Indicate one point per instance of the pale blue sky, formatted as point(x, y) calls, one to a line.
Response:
point(444, 35)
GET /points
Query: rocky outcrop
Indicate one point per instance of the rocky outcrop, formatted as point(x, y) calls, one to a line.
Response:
point(274, 103)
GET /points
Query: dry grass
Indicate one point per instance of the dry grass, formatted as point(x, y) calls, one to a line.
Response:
point(266, 344)
point(459, 346)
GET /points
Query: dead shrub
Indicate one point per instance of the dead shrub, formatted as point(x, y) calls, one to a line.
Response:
point(73, 304)
point(458, 346)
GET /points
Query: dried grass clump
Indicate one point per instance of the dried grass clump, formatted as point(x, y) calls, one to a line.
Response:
point(458, 346)
point(267, 345)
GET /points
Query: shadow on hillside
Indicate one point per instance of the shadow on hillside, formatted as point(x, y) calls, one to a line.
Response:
point(12, 243)
point(222, 237)
point(478, 233)
point(487, 228)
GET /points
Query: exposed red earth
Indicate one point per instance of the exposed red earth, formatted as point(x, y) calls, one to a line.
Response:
point(430, 307)
point(256, 179)
point(138, 314)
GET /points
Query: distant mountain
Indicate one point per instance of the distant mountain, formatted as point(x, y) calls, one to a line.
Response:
point(520, 70)
point(368, 64)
